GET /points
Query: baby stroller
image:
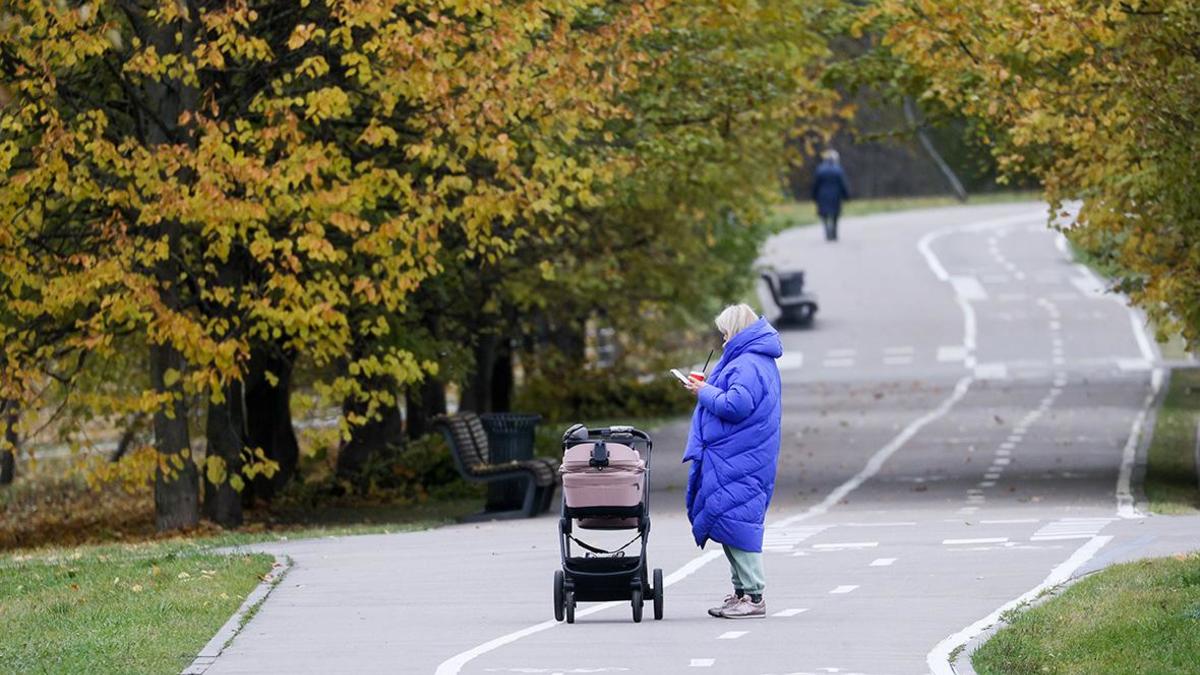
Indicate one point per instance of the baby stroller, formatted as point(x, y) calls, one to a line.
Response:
point(605, 486)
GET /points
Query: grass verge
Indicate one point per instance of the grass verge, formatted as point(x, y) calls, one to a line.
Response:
point(797, 213)
point(145, 608)
point(1171, 483)
point(1141, 617)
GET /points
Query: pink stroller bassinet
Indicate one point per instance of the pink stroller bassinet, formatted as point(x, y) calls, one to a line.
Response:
point(605, 482)
point(617, 482)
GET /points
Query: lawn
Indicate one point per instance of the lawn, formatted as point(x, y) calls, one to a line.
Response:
point(1171, 483)
point(145, 608)
point(1140, 617)
point(796, 213)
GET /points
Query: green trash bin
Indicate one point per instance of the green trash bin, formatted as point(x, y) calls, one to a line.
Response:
point(510, 437)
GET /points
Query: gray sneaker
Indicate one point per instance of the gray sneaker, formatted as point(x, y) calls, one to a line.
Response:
point(747, 609)
point(730, 602)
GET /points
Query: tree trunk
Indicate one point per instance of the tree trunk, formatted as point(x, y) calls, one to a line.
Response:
point(176, 481)
point(8, 452)
point(268, 419)
point(375, 437)
point(502, 379)
point(477, 392)
point(423, 403)
point(226, 438)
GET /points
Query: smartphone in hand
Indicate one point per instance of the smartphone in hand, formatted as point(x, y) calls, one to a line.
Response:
point(680, 376)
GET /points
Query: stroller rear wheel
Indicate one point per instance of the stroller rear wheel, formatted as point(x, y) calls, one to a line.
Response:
point(658, 594)
point(559, 600)
point(637, 605)
point(569, 602)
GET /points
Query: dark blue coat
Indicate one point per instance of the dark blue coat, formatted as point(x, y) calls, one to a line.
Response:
point(829, 189)
point(734, 442)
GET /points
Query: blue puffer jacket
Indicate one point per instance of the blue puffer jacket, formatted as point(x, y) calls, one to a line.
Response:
point(734, 442)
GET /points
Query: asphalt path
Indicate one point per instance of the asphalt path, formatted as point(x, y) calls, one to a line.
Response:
point(961, 430)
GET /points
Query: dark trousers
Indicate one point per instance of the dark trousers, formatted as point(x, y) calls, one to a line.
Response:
point(830, 222)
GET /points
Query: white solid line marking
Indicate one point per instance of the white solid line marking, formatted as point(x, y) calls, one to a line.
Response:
point(968, 288)
point(882, 562)
point(851, 544)
point(982, 540)
point(790, 612)
point(701, 663)
point(877, 460)
point(1125, 505)
point(843, 589)
point(938, 658)
point(454, 664)
point(732, 635)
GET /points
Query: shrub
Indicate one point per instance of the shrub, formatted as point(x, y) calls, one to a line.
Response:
point(599, 397)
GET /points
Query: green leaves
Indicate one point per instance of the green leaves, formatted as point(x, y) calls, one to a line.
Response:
point(1100, 101)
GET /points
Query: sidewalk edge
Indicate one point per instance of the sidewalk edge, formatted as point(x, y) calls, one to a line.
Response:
point(225, 635)
point(1142, 458)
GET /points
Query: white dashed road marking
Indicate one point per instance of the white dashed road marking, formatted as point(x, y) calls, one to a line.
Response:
point(790, 612)
point(982, 540)
point(732, 635)
point(1071, 528)
point(843, 589)
point(1009, 521)
point(849, 544)
point(701, 663)
point(882, 562)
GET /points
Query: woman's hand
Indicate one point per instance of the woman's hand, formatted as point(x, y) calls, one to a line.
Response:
point(693, 385)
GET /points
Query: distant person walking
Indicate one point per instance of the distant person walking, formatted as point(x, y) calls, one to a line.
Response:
point(734, 448)
point(828, 191)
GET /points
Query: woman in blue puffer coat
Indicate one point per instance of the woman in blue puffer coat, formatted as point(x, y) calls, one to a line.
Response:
point(734, 448)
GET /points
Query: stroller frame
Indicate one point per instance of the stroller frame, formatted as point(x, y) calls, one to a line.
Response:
point(601, 575)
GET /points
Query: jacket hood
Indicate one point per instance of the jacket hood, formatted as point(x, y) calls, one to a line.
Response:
point(759, 337)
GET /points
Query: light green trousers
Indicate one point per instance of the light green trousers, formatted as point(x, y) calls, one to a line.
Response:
point(747, 570)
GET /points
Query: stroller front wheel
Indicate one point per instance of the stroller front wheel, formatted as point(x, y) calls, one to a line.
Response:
point(569, 602)
point(637, 605)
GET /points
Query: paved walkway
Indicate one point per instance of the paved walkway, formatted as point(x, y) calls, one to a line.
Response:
point(960, 430)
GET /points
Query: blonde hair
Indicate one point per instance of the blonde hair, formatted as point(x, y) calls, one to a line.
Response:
point(831, 155)
point(734, 319)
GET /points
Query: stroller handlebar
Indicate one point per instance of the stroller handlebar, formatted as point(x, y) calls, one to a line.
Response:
point(580, 434)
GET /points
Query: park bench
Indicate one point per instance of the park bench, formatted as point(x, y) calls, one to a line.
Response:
point(468, 442)
point(787, 290)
